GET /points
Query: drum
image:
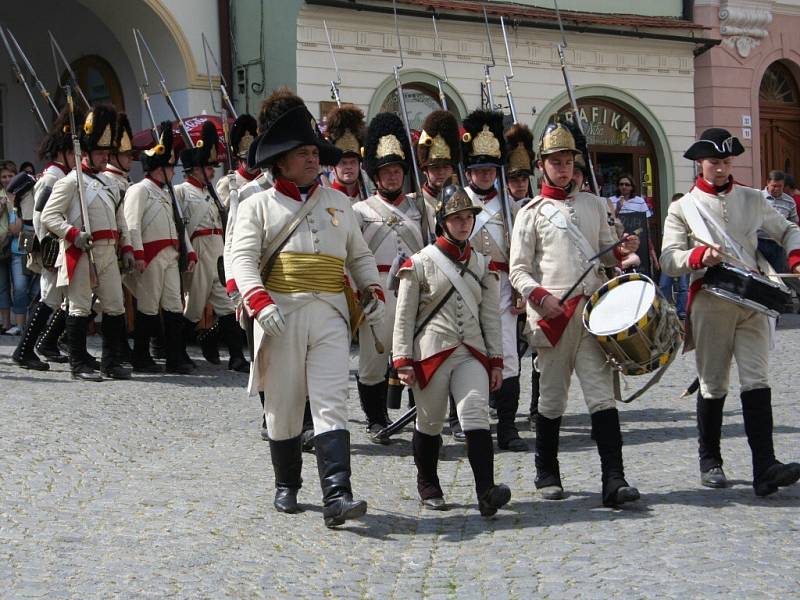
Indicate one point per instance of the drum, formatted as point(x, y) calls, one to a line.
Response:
point(747, 289)
point(636, 326)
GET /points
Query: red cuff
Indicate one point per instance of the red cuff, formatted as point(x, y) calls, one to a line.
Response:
point(538, 295)
point(127, 249)
point(793, 259)
point(72, 234)
point(403, 362)
point(378, 293)
point(256, 300)
point(192, 257)
point(618, 254)
point(696, 258)
point(496, 362)
point(138, 254)
point(231, 286)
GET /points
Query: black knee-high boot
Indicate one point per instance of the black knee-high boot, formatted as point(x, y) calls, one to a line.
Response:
point(333, 464)
point(209, 342)
point(709, 433)
point(143, 329)
point(426, 457)
point(110, 363)
point(47, 345)
point(287, 462)
point(480, 452)
point(768, 473)
point(231, 334)
point(174, 336)
point(607, 434)
point(548, 474)
point(24, 354)
point(507, 403)
point(373, 403)
point(76, 332)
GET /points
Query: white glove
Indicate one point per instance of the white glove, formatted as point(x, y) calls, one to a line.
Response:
point(271, 320)
point(83, 241)
point(375, 312)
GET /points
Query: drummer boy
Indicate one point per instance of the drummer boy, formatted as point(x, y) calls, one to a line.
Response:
point(554, 235)
point(727, 216)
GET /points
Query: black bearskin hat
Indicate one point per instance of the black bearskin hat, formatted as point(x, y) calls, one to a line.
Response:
point(346, 129)
point(386, 144)
point(483, 144)
point(160, 155)
point(438, 143)
point(123, 141)
point(59, 139)
point(519, 150)
point(243, 132)
point(99, 128)
point(278, 102)
point(204, 152)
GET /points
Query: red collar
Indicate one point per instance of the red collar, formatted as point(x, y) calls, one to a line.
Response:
point(553, 192)
point(289, 188)
point(343, 188)
point(57, 164)
point(710, 188)
point(158, 184)
point(88, 168)
point(246, 174)
point(430, 191)
point(193, 181)
point(112, 169)
point(453, 251)
point(397, 201)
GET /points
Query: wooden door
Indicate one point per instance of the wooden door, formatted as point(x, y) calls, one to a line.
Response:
point(779, 106)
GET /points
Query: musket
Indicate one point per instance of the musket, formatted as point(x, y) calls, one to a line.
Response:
point(76, 147)
point(420, 200)
point(504, 203)
point(21, 80)
point(39, 85)
point(162, 83)
point(177, 212)
point(226, 101)
point(442, 97)
point(335, 83)
point(571, 94)
point(510, 75)
point(72, 78)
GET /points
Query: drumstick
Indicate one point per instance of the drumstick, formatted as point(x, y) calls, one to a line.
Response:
point(595, 257)
point(722, 253)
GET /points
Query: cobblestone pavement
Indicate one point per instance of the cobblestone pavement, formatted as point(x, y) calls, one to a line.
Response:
point(161, 487)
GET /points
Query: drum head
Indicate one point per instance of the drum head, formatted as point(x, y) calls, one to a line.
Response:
point(621, 307)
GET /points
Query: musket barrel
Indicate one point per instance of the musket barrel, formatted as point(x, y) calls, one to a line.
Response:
point(37, 114)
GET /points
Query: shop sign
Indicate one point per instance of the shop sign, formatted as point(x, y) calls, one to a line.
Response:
point(605, 126)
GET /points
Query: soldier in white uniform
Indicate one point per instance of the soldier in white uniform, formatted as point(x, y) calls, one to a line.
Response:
point(553, 237)
point(48, 318)
point(205, 225)
point(155, 237)
point(393, 229)
point(452, 348)
point(729, 216)
point(346, 130)
point(290, 248)
point(483, 148)
point(109, 238)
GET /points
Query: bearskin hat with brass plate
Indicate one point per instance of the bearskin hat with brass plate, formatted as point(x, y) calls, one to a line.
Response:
point(346, 129)
point(99, 128)
point(482, 143)
point(285, 124)
point(123, 141)
point(160, 155)
point(243, 131)
point(204, 152)
point(438, 143)
point(557, 137)
point(519, 150)
point(386, 144)
point(58, 139)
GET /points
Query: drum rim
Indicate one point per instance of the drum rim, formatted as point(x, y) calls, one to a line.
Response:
point(610, 285)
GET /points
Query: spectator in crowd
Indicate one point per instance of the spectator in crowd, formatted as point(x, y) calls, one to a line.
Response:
point(785, 205)
point(678, 285)
point(9, 228)
point(28, 166)
point(634, 213)
point(790, 188)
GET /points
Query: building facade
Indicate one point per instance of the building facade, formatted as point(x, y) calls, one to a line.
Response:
point(749, 83)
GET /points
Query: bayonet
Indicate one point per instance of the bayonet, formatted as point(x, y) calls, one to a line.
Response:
point(487, 69)
point(442, 97)
point(37, 114)
point(335, 83)
point(510, 75)
point(39, 85)
point(72, 77)
point(226, 101)
point(570, 92)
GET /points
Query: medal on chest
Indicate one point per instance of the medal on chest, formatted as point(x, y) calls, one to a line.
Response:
point(332, 213)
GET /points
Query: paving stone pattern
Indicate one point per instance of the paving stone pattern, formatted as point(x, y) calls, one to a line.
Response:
point(161, 488)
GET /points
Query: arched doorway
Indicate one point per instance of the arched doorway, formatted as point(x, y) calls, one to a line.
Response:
point(97, 80)
point(421, 100)
point(779, 115)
